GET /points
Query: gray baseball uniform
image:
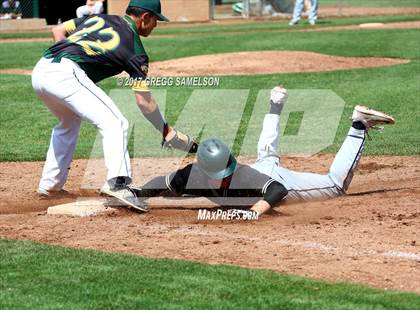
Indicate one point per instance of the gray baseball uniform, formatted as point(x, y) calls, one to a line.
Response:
point(266, 179)
point(308, 186)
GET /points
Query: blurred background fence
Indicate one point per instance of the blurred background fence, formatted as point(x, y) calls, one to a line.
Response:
point(254, 8)
point(52, 10)
point(55, 10)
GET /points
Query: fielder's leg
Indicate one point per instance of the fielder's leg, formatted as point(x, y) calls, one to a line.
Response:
point(63, 138)
point(62, 145)
point(94, 105)
point(68, 86)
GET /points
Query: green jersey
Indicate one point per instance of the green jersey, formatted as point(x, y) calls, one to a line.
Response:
point(103, 46)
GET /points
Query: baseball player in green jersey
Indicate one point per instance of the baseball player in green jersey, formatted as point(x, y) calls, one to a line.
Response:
point(88, 50)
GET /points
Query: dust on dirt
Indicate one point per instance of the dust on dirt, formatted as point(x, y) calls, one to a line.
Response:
point(369, 236)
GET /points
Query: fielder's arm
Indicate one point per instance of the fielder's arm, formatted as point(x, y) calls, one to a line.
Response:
point(59, 32)
point(171, 138)
point(151, 111)
point(62, 31)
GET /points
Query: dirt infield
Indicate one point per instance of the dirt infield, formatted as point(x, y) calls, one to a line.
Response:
point(254, 63)
point(369, 236)
point(264, 62)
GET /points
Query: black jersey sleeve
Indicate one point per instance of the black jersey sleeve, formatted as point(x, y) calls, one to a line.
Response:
point(274, 192)
point(153, 188)
point(247, 181)
point(138, 66)
point(178, 180)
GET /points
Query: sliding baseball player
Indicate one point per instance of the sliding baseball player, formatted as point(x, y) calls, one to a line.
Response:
point(216, 173)
point(88, 50)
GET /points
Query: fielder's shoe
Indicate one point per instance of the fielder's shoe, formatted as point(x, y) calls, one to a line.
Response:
point(370, 118)
point(118, 189)
point(43, 193)
point(279, 95)
point(293, 22)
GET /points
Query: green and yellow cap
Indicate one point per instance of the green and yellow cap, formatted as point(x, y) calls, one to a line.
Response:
point(152, 6)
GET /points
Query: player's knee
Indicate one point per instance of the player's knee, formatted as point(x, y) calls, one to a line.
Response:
point(124, 124)
point(69, 124)
point(116, 125)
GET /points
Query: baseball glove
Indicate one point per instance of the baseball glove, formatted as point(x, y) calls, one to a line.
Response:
point(178, 140)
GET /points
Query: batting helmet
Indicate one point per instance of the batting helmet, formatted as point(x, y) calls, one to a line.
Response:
point(215, 159)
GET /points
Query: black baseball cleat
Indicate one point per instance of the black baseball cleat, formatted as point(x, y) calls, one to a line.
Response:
point(118, 189)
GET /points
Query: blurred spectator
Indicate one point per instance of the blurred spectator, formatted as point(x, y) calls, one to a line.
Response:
point(297, 12)
point(91, 7)
point(10, 9)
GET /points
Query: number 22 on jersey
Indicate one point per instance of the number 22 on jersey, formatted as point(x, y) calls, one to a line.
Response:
point(108, 38)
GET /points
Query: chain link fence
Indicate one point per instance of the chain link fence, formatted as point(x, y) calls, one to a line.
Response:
point(253, 8)
point(11, 9)
point(52, 10)
point(55, 10)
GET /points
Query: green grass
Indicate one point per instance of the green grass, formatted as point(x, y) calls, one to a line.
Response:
point(373, 3)
point(25, 135)
point(281, 25)
point(384, 43)
point(46, 277)
point(26, 124)
point(293, 123)
point(39, 276)
point(25, 35)
point(209, 29)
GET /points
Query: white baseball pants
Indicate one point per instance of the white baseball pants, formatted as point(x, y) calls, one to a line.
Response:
point(298, 9)
point(309, 186)
point(71, 96)
point(84, 10)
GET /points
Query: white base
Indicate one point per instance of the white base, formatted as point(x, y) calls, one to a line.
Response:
point(371, 25)
point(81, 208)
